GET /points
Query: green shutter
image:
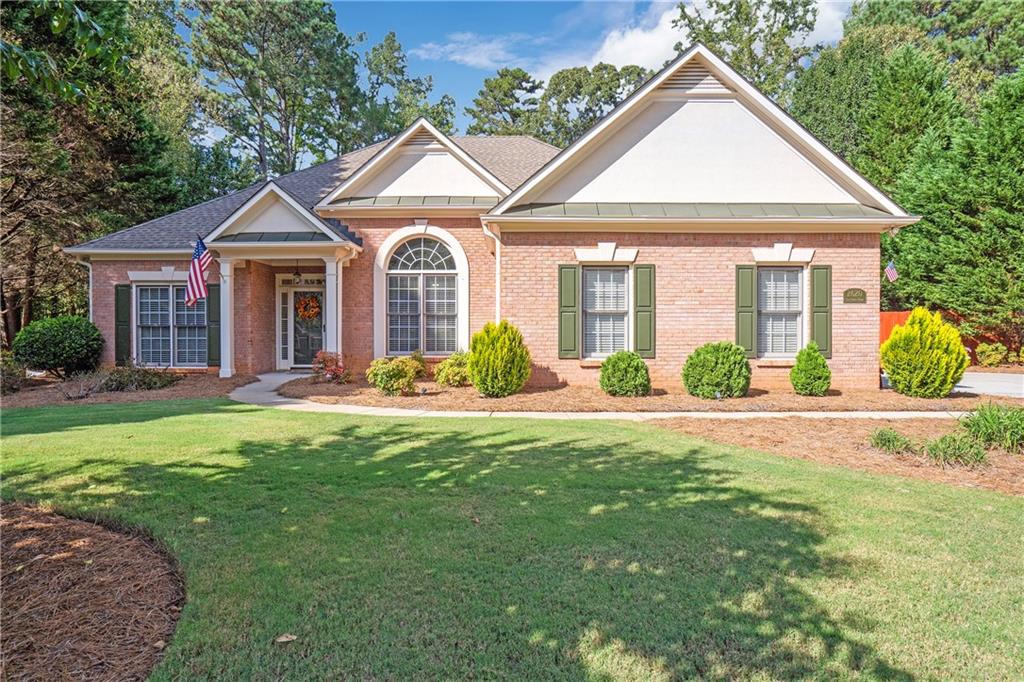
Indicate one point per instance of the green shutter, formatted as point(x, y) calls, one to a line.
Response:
point(643, 310)
point(568, 311)
point(746, 308)
point(122, 323)
point(821, 308)
point(213, 325)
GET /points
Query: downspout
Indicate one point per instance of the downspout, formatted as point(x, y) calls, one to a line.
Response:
point(497, 269)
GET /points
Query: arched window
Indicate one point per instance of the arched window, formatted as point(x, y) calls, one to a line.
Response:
point(422, 303)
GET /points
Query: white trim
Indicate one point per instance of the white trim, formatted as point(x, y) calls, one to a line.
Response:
point(132, 254)
point(268, 188)
point(629, 345)
point(380, 270)
point(781, 253)
point(227, 318)
point(803, 330)
point(606, 252)
point(648, 224)
point(165, 274)
point(748, 95)
point(393, 148)
point(171, 285)
point(496, 236)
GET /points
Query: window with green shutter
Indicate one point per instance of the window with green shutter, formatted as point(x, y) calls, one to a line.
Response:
point(568, 311)
point(643, 310)
point(746, 308)
point(122, 323)
point(213, 325)
point(821, 308)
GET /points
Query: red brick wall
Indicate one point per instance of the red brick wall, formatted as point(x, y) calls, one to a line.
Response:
point(255, 326)
point(357, 304)
point(695, 298)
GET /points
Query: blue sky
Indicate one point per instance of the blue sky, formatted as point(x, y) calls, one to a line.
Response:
point(461, 43)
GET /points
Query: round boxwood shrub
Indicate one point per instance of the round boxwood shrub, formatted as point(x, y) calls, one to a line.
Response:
point(499, 361)
point(924, 357)
point(810, 375)
point(453, 371)
point(717, 370)
point(392, 376)
point(625, 374)
point(62, 346)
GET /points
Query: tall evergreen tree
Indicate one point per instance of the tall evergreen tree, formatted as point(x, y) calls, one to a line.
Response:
point(508, 104)
point(577, 98)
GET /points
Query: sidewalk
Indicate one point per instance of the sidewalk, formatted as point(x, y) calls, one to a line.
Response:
point(264, 393)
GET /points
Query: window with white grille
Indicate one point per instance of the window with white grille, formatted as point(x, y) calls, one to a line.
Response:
point(422, 304)
point(779, 311)
point(605, 311)
point(170, 336)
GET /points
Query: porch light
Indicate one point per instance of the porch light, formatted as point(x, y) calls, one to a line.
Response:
point(296, 276)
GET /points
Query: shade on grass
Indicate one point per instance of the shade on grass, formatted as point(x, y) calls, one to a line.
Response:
point(531, 549)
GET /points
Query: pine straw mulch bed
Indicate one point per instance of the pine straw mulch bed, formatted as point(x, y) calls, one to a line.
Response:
point(844, 442)
point(82, 602)
point(593, 399)
point(47, 393)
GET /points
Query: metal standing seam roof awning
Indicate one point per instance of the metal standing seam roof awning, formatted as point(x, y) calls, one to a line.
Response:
point(264, 237)
point(417, 201)
point(693, 210)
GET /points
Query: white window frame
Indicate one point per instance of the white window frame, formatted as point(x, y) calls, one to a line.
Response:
point(583, 312)
point(170, 285)
point(420, 276)
point(802, 317)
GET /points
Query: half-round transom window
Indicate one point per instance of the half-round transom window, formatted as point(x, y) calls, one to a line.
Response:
point(422, 254)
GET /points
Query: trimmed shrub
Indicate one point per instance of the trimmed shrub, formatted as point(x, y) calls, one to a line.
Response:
point(330, 367)
point(958, 447)
point(137, 378)
point(454, 370)
point(82, 385)
point(717, 370)
point(421, 363)
point(625, 374)
point(891, 441)
point(997, 426)
point(990, 354)
point(392, 376)
point(499, 361)
point(12, 374)
point(924, 357)
point(62, 346)
point(810, 375)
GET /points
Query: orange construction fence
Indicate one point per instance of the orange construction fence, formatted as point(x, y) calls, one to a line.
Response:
point(888, 319)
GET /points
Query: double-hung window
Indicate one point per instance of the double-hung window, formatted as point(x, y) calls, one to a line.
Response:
point(422, 307)
point(170, 333)
point(605, 310)
point(779, 311)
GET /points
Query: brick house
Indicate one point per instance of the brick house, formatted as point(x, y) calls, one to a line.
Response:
point(695, 211)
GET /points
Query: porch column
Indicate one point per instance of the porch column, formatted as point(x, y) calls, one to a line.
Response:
point(332, 305)
point(227, 318)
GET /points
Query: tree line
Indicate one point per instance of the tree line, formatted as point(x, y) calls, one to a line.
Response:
point(115, 113)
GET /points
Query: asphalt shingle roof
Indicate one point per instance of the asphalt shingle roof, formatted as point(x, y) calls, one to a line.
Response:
point(511, 159)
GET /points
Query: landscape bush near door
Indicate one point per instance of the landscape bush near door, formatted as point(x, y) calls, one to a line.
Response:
point(330, 367)
point(61, 346)
point(925, 357)
point(625, 374)
point(499, 361)
point(717, 370)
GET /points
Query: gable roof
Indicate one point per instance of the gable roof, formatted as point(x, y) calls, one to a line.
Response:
point(717, 79)
point(511, 159)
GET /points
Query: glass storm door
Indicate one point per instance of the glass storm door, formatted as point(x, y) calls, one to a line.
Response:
point(307, 330)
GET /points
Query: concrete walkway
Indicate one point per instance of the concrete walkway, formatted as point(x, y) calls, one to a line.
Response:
point(993, 383)
point(264, 392)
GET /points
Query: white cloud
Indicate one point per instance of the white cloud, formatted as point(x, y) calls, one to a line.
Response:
point(649, 42)
point(472, 49)
point(828, 28)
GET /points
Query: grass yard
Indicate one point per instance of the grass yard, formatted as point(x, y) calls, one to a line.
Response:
point(531, 549)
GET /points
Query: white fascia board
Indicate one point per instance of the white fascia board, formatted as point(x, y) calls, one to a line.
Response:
point(747, 93)
point(269, 188)
point(392, 148)
point(735, 225)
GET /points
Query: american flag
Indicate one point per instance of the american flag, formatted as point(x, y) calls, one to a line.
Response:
point(196, 288)
point(890, 272)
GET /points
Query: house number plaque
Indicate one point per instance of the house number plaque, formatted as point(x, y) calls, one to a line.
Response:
point(855, 296)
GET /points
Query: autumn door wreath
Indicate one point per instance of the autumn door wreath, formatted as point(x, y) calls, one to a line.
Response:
point(307, 307)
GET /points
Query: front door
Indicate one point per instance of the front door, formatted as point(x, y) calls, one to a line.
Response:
point(308, 326)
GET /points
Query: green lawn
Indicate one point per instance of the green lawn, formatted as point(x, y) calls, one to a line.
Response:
point(403, 549)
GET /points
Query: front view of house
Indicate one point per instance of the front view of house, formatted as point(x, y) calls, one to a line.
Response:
point(695, 211)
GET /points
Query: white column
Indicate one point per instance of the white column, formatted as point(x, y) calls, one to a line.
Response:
point(227, 318)
point(332, 305)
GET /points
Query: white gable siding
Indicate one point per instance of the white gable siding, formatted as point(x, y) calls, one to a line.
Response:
point(271, 214)
point(423, 173)
point(697, 150)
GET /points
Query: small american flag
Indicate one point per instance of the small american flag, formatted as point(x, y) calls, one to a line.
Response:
point(890, 272)
point(196, 287)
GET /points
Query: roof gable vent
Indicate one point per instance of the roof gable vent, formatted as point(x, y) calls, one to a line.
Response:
point(422, 138)
point(694, 78)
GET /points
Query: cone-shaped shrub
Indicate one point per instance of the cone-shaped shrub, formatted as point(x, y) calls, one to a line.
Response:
point(499, 361)
point(810, 375)
point(717, 370)
point(924, 357)
point(625, 373)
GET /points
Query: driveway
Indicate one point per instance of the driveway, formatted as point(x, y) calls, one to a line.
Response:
point(993, 383)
